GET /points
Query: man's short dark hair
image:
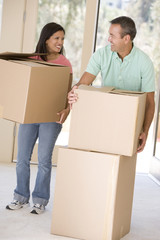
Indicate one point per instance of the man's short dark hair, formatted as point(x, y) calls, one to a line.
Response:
point(127, 24)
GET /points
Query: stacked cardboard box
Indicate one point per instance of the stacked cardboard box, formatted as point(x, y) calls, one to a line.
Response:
point(32, 91)
point(107, 120)
point(95, 175)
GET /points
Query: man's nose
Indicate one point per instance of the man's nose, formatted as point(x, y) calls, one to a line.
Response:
point(109, 38)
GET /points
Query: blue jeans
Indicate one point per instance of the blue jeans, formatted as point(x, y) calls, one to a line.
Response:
point(27, 136)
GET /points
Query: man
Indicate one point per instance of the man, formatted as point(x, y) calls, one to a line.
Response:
point(123, 66)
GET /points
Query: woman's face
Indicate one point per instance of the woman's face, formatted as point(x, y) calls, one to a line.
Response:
point(55, 43)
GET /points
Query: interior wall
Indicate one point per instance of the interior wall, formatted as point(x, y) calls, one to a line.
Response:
point(10, 40)
point(17, 35)
point(89, 32)
point(12, 25)
point(30, 24)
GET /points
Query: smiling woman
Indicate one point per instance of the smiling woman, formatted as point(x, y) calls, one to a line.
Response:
point(71, 15)
point(51, 43)
point(54, 45)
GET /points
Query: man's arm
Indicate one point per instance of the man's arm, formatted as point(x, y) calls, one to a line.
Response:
point(86, 79)
point(149, 113)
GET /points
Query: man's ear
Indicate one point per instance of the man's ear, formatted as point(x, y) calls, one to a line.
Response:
point(127, 38)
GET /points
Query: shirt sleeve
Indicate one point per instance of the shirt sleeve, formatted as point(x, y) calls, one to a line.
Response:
point(94, 65)
point(148, 76)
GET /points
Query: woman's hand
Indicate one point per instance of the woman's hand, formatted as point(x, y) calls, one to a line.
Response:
point(63, 115)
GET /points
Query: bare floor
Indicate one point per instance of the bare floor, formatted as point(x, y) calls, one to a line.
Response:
point(21, 225)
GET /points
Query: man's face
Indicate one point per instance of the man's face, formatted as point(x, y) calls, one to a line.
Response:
point(115, 39)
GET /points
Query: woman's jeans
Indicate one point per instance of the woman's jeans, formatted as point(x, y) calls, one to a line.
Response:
point(27, 136)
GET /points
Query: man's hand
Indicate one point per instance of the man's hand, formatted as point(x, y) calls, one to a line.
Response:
point(149, 113)
point(72, 96)
point(63, 115)
point(86, 79)
point(142, 142)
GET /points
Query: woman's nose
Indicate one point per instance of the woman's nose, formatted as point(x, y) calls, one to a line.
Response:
point(60, 41)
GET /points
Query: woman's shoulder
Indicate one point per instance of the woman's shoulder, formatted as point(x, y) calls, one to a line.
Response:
point(63, 61)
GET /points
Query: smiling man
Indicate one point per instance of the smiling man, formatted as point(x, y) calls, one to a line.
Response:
point(123, 66)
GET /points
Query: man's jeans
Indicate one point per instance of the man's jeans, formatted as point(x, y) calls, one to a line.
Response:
point(27, 136)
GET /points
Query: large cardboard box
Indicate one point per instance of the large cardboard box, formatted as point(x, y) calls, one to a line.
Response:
point(93, 195)
point(107, 120)
point(1, 111)
point(32, 92)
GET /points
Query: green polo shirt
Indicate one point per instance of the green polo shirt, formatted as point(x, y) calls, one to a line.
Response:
point(135, 73)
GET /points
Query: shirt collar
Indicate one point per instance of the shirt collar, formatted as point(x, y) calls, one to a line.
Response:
point(128, 57)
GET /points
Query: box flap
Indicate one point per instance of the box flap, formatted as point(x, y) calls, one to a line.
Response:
point(46, 63)
point(109, 89)
point(13, 55)
point(26, 57)
point(126, 92)
point(101, 89)
point(33, 63)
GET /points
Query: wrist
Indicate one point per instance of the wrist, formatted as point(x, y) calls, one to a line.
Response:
point(68, 108)
point(145, 131)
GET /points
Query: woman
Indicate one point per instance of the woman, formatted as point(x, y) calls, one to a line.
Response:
point(51, 42)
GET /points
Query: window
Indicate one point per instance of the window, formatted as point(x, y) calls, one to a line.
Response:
point(71, 15)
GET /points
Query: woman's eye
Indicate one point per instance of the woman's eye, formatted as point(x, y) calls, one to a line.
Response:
point(57, 38)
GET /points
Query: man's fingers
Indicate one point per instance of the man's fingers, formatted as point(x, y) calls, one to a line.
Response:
point(72, 96)
point(142, 142)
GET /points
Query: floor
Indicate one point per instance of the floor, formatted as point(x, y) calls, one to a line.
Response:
point(21, 225)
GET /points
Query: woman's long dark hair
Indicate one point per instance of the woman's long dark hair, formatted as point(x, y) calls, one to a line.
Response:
point(47, 31)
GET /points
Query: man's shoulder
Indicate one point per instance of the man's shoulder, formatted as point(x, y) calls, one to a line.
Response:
point(103, 51)
point(141, 54)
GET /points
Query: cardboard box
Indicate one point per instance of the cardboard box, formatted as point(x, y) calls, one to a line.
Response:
point(93, 195)
point(32, 91)
point(1, 111)
point(107, 120)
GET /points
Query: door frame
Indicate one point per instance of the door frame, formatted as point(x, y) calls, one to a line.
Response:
point(154, 170)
